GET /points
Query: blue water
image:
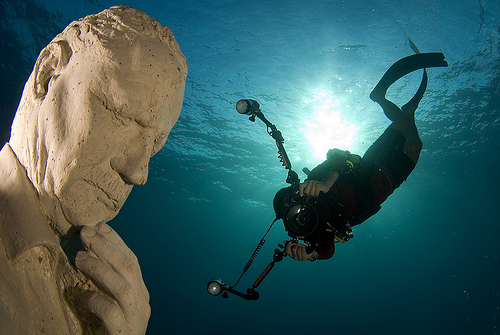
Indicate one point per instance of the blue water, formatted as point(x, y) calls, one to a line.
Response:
point(427, 263)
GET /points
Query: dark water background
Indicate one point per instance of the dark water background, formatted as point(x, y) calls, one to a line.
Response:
point(427, 263)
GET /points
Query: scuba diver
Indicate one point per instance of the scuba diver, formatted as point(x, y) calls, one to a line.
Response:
point(346, 189)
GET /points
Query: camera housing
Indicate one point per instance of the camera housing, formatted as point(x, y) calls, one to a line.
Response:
point(300, 218)
point(300, 215)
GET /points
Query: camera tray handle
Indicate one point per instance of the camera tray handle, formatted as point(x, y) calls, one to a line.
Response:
point(255, 111)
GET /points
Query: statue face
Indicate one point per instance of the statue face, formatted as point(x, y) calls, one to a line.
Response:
point(101, 121)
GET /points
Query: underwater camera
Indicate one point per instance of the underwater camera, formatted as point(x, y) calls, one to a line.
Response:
point(301, 219)
point(299, 214)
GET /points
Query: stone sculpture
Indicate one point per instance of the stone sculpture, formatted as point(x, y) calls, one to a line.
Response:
point(101, 100)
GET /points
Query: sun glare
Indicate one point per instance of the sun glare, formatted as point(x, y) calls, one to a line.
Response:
point(328, 127)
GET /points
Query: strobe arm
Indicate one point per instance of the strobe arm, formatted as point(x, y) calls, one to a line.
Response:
point(277, 257)
point(252, 108)
point(278, 137)
point(216, 286)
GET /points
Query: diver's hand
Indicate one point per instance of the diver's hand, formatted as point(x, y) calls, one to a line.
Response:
point(312, 188)
point(123, 303)
point(298, 252)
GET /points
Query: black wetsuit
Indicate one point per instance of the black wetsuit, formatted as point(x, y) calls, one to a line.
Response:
point(363, 185)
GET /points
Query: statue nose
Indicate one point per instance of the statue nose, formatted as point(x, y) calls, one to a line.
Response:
point(136, 174)
point(133, 165)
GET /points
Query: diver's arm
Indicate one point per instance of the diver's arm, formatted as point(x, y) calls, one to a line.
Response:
point(313, 188)
point(324, 176)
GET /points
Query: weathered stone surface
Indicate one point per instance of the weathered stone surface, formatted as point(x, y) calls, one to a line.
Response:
point(101, 100)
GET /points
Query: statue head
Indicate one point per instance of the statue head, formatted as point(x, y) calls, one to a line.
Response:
point(101, 100)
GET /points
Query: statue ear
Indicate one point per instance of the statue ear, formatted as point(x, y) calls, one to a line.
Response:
point(51, 61)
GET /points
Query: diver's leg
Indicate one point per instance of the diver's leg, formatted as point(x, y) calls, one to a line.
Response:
point(413, 144)
point(391, 111)
point(413, 147)
point(402, 119)
point(404, 122)
point(406, 125)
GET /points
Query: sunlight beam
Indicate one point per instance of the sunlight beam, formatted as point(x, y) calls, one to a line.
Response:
point(328, 127)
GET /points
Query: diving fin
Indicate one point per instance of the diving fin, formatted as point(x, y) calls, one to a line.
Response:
point(413, 103)
point(404, 66)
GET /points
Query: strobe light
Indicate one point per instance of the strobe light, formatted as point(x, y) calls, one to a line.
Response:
point(215, 287)
point(247, 106)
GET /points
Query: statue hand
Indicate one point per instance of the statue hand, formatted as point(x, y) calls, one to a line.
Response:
point(123, 303)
